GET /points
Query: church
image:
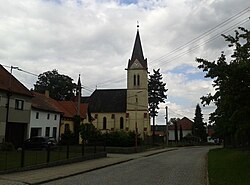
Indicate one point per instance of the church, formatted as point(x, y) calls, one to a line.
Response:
point(125, 109)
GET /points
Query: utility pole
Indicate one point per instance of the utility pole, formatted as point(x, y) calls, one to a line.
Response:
point(136, 129)
point(167, 135)
point(78, 90)
point(8, 98)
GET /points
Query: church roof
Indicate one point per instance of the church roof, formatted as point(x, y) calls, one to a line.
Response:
point(108, 100)
point(138, 53)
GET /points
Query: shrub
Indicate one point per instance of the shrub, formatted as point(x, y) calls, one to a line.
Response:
point(121, 139)
point(7, 147)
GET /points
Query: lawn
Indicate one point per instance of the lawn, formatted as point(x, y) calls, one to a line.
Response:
point(229, 167)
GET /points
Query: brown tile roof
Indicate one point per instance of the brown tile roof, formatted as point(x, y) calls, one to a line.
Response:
point(42, 102)
point(69, 108)
point(185, 123)
point(14, 85)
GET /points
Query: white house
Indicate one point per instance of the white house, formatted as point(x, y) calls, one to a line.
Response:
point(45, 117)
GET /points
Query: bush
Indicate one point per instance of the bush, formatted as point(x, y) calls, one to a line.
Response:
point(121, 139)
point(7, 147)
point(67, 138)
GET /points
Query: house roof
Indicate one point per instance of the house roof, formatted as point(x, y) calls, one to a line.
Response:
point(138, 53)
point(185, 123)
point(69, 108)
point(9, 83)
point(42, 102)
point(108, 100)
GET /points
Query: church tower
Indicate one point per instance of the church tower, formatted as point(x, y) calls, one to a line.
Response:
point(137, 90)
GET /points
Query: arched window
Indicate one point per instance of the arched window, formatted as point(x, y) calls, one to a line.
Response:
point(138, 80)
point(121, 123)
point(104, 123)
point(134, 80)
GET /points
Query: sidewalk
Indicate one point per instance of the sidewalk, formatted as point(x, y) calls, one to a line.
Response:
point(52, 173)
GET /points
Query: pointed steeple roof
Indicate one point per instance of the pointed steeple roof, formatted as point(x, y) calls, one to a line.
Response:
point(79, 81)
point(138, 52)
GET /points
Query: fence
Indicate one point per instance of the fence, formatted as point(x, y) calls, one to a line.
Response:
point(18, 159)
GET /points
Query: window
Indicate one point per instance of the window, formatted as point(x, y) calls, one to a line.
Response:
point(104, 123)
point(66, 128)
point(54, 132)
point(121, 123)
point(48, 115)
point(47, 131)
point(19, 104)
point(35, 132)
point(138, 80)
point(134, 80)
point(55, 117)
point(37, 115)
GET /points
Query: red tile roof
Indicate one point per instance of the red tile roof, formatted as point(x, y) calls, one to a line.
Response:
point(69, 108)
point(185, 123)
point(9, 83)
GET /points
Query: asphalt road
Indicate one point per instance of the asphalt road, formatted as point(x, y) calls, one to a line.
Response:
point(185, 166)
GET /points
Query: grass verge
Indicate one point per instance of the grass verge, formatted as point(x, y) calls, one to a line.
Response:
point(229, 167)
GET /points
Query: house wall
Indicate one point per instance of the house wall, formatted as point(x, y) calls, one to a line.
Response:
point(3, 101)
point(112, 123)
point(20, 116)
point(65, 121)
point(42, 122)
point(15, 115)
point(129, 121)
point(172, 135)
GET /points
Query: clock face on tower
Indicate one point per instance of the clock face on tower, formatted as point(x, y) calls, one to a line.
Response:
point(136, 64)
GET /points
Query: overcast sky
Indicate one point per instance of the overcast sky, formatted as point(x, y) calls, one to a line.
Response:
point(95, 38)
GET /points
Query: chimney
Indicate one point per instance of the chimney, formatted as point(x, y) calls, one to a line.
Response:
point(47, 93)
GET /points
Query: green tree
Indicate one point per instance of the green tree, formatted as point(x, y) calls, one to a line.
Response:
point(199, 127)
point(88, 132)
point(232, 88)
point(59, 86)
point(156, 94)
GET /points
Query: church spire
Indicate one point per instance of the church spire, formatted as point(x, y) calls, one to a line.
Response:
point(137, 51)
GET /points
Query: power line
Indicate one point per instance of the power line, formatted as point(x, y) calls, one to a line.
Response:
point(206, 33)
point(162, 59)
point(20, 70)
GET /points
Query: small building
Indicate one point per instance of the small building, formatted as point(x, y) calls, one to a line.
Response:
point(69, 111)
point(45, 116)
point(15, 108)
point(183, 124)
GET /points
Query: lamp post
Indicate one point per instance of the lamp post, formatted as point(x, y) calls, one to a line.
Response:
point(136, 129)
point(136, 126)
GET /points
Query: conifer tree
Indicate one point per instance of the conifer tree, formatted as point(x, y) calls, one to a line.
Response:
point(199, 127)
point(156, 94)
